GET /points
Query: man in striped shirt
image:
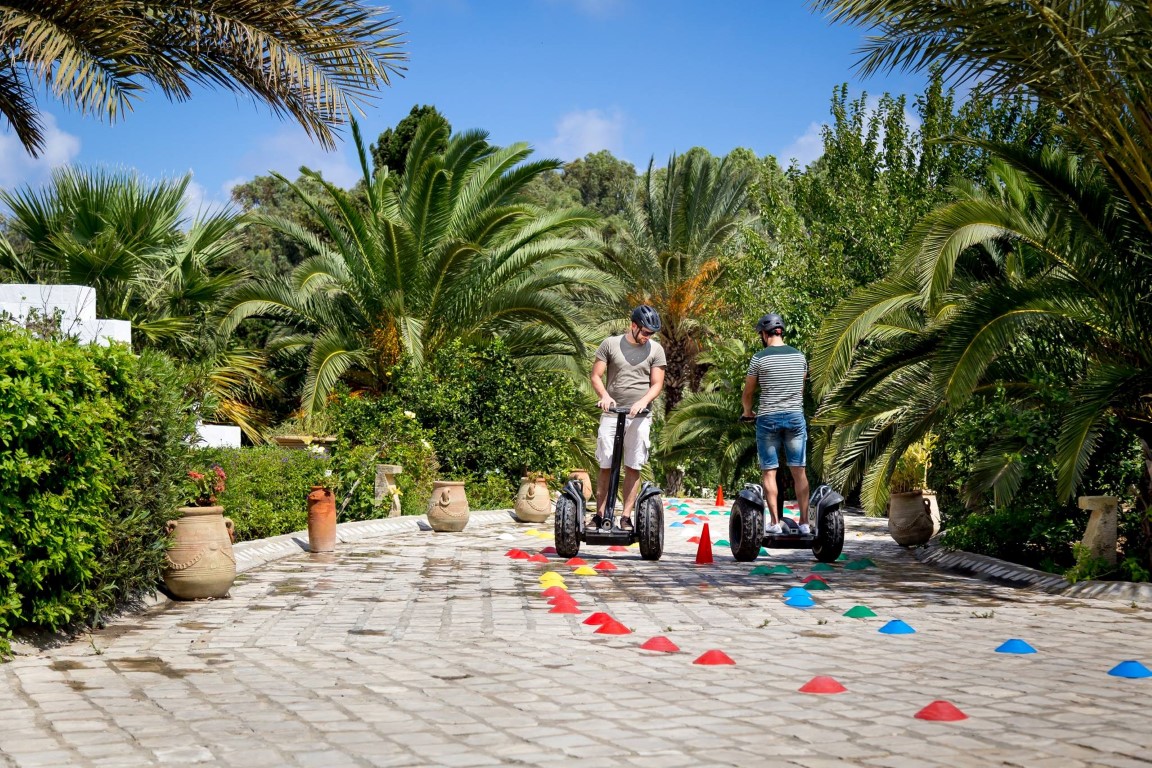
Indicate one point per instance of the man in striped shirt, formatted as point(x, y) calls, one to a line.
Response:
point(781, 432)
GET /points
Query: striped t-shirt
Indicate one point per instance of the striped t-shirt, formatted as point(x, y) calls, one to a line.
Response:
point(780, 372)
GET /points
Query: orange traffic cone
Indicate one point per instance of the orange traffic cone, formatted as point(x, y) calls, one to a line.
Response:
point(704, 550)
point(719, 496)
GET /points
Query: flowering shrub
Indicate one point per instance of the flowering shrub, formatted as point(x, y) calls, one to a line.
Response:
point(205, 487)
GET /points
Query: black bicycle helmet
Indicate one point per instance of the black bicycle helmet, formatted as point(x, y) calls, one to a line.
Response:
point(646, 317)
point(769, 323)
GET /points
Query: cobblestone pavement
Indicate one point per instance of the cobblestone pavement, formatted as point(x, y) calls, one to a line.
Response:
point(437, 649)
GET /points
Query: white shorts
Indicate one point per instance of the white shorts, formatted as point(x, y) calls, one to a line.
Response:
point(637, 440)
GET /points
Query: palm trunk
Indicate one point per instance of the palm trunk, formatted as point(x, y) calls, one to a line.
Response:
point(1144, 501)
point(677, 378)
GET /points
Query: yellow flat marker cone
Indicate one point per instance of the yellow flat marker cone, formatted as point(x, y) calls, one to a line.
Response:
point(551, 577)
point(531, 531)
point(634, 545)
point(585, 570)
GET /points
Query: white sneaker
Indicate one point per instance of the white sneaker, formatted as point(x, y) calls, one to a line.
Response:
point(804, 529)
point(776, 529)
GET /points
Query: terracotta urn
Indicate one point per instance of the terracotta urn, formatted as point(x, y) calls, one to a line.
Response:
point(448, 507)
point(585, 481)
point(321, 520)
point(200, 562)
point(913, 518)
point(533, 502)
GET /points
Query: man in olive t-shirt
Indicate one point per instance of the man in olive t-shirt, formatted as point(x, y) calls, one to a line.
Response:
point(634, 365)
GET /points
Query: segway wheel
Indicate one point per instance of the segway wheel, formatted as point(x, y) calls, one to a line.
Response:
point(745, 530)
point(650, 528)
point(567, 527)
point(829, 541)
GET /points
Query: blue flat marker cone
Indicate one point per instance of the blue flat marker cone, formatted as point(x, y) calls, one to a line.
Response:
point(676, 525)
point(1015, 646)
point(1130, 669)
point(800, 601)
point(796, 591)
point(896, 627)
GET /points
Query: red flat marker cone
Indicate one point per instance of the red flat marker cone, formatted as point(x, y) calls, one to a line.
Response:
point(517, 554)
point(941, 710)
point(690, 521)
point(548, 551)
point(612, 627)
point(564, 598)
point(714, 657)
point(660, 643)
point(537, 558)
point(604, 565)
point(617, 548)
point(554, 590)
point(694, 540)
point(719, 496)
point(704, 551)
point(813, 577)
point(575, 561)
point(598, 618)
point(822, 684)
point(562, 607)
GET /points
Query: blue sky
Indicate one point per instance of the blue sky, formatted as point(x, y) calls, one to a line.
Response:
point(641, 78)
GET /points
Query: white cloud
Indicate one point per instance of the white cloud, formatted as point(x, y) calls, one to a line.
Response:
point(581, 132)
point(286, 151)
point(806, 148)
point(17, 167)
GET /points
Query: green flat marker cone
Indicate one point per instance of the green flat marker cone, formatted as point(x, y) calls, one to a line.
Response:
point(859, 612)
point(761, 570)
point(816, 585)
point(763, 552)
point(842, 557)
point(781, 569)
point(714, 512)
point(854, 566)
point(822, 567)
point(723, 543)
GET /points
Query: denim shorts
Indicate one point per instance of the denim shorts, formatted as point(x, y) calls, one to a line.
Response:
point(781, 433)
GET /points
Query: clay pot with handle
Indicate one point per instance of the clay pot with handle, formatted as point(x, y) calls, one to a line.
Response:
point(533, 503)
point(200, 562)
point(448, 508)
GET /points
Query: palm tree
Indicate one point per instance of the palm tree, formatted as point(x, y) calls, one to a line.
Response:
point(1042, 267)
point(442, 251)
point(668, 255)
point(129, 239)
point(1087, 58)
point(311, 59)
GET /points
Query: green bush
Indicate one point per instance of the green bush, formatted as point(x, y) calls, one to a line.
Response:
point(489, 413)
point(378, 430)
point(1035, 528)
point(267, 487)
point(93, 452)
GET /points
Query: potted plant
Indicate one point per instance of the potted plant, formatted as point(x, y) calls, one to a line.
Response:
point(533, 502)
point(448, 506)
point(913, 515)
point(322, 514)
point(200, 562)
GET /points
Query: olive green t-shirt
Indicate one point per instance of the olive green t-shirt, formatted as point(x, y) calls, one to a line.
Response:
point(629, 367)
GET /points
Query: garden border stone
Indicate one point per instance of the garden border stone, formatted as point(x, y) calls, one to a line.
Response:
point(1013, 574)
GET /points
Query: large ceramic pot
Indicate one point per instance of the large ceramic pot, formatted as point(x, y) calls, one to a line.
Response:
point(200, 562)
point(585, 481)
point(913, 518)
point(448, 507)
point(321, 520)
point(533, 503)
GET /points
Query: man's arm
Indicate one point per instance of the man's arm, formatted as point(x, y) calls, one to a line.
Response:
point(599, 368)
point(750, 383)
point(655, 386)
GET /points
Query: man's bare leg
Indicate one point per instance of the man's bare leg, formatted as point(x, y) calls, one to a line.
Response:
point(631, 489)
point(800, 480)
point(602, 481)
point(768, 480)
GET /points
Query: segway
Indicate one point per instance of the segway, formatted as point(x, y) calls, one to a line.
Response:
point(747, 529)
point(647, 518)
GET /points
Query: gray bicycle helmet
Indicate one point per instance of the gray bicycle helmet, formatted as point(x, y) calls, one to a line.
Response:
point(770, 323)
point(646, 317)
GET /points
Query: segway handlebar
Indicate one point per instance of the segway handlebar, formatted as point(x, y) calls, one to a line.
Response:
point(621, 410)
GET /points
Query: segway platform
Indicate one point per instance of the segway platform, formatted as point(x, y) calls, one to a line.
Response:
point(747, 529)
point(647, 517)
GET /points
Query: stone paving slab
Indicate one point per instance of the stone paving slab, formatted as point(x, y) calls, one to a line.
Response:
point(415, 648)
